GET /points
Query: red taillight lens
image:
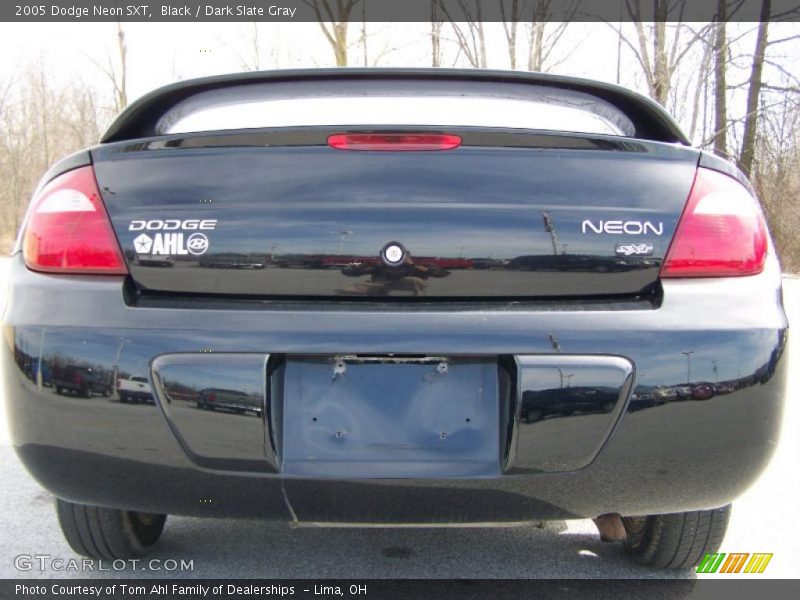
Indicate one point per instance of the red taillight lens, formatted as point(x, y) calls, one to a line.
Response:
point(721, 233)
point(394, 142)
point(68, 229)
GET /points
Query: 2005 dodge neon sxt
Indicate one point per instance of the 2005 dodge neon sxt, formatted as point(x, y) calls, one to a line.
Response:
point(398, 297)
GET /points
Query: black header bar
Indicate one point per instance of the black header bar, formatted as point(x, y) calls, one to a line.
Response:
point(385, 10)
point(408, 589)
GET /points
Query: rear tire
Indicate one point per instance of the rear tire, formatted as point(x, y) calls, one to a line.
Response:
point(107, 532)
point(676, 541)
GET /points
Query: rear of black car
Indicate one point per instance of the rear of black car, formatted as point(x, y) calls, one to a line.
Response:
point(396, 296)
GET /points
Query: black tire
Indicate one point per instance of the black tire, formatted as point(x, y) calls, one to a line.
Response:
point(107, 532)
point(676, 541)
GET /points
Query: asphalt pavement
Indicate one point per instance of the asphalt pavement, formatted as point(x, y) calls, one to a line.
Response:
point(763, 520)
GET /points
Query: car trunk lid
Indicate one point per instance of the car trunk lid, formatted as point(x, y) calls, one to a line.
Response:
point(507, 214)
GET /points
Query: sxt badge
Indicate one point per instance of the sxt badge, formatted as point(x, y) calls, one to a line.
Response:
point(642, 249)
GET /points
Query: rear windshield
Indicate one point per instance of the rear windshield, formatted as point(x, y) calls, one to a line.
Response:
point(388, 103)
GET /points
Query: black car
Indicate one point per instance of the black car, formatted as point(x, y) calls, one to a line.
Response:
point(447, 249)
point(84, 381)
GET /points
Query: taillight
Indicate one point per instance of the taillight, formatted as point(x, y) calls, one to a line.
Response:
point(394, 142)
point(721, 233)
point(68, 228)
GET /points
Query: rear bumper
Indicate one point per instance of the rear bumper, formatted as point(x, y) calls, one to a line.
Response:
point(659, 447)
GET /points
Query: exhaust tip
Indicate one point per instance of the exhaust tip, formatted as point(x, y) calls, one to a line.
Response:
point(611, 528)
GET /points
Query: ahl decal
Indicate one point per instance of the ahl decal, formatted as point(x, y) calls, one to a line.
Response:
point(158, 242)
point(171, 243)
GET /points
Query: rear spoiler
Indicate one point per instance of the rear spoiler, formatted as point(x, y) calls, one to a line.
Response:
point(139, 119)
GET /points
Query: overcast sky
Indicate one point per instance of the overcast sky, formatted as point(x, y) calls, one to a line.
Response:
point(160, 53)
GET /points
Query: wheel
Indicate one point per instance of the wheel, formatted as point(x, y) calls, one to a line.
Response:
point(108, 532)
point(106, 392)
point(676, 541)
point(59, 391)
point(123, 398)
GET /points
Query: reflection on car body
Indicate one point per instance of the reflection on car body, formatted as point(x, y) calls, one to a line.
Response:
point(702, 391)
point(81, 380)
point(233, 261)
point(409, 276)
point(134, 389)
point(225, 399)
point(542, 404)
point(152, 260)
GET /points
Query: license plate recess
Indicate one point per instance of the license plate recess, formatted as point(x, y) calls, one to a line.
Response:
point(390, 416)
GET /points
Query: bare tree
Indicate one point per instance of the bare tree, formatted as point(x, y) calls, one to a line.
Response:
point(776, 176)
point(17, 139)
point(511, 16)
point(364, 35)
point(469, 31)
point(333, 17)
point(720, 80)
point(699, 98)
point(43, 98)
point(370, 57)
point(436, 34)
point(729, 133)
point(252, 60)
point(122, 85)
point(117, 71)
point(544, 34)
point(660, 47)
point(747, 151)
point(40, 120)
